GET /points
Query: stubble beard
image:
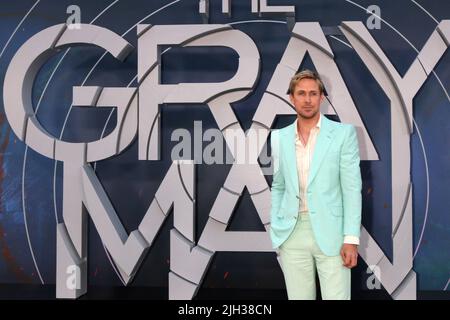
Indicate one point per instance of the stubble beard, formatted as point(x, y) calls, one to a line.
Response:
point(307, 116)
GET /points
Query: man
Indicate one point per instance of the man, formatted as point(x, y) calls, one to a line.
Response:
point(316, 196)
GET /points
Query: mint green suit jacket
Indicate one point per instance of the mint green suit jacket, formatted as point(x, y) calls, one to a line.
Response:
point(333, 190)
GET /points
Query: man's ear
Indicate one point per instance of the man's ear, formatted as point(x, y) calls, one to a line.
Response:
point(322, 96)
point(291, 97)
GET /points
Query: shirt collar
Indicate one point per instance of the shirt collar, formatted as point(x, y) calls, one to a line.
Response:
point(319, 123)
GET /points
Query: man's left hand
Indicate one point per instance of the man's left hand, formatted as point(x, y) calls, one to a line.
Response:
point(349, 254)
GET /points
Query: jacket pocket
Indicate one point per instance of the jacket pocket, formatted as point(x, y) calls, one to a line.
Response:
point(337, 211)
point(281, 213)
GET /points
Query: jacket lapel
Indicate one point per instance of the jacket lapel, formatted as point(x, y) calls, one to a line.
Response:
point(291, 159)
point(322, 145)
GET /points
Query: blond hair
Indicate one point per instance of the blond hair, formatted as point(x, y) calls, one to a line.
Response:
point(305, 74)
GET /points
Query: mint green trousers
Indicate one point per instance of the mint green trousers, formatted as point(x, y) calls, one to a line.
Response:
point(301, 257)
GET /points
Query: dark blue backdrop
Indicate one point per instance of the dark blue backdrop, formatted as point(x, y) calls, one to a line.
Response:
point(31, 192)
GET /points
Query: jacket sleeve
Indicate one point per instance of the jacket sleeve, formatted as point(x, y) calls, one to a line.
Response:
point(350, 177)
point(278, 185)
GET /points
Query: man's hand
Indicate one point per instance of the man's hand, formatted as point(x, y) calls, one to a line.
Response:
point(349, 254)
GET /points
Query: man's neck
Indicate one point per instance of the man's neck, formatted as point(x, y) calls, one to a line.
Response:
point(307, 124)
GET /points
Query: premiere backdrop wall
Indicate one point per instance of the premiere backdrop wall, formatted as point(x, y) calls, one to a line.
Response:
point(151, 68)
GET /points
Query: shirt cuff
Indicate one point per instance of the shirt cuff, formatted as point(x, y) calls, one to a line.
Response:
point(351, 240)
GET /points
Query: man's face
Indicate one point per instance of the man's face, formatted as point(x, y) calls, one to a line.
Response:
point(307, 98)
